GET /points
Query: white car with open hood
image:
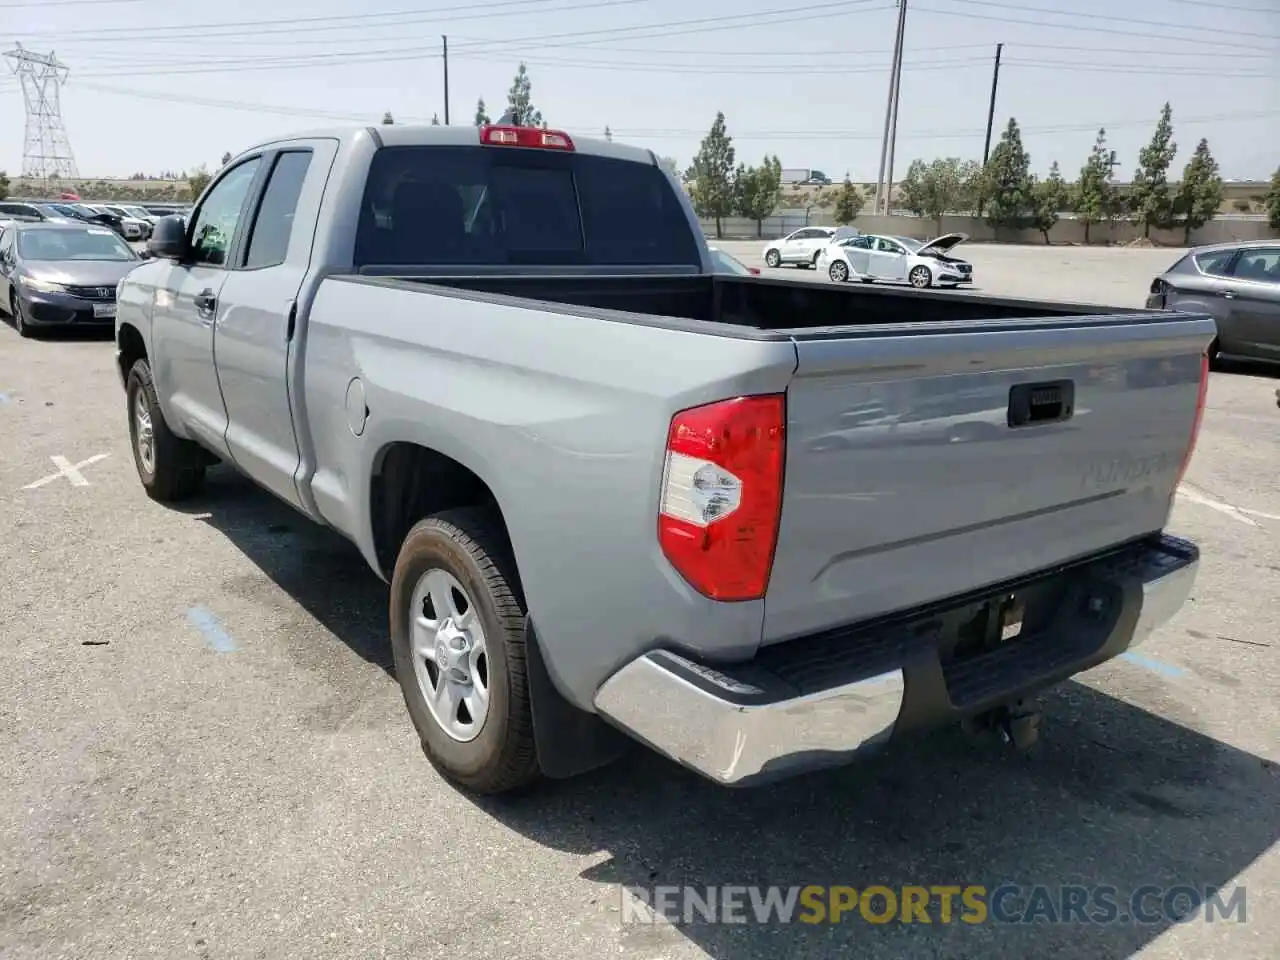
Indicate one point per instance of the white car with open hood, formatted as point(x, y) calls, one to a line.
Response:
point(900, 259)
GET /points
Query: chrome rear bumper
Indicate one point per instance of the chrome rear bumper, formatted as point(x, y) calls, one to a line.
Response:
point(735, 732)
point(748, 723)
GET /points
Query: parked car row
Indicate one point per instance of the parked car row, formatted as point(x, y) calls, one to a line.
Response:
point(846, 254)
point(61, 274)
point(133, 222)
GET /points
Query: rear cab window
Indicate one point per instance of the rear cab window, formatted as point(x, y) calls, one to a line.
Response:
point(503, 206)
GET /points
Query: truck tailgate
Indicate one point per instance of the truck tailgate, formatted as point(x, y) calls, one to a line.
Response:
point(909, 480)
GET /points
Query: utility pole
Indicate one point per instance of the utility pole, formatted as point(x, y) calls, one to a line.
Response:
point(897, 97)
point(991, 108)
point(445, 40)
point(894, 72)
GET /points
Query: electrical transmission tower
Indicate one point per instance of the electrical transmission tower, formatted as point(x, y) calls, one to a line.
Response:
point(46, 151)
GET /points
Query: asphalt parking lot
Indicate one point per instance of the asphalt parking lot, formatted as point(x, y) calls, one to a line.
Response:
point(205, 754)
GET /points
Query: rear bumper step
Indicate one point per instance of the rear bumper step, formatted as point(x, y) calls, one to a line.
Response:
point(819, 701)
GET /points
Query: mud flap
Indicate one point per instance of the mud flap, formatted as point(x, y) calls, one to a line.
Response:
point(569, 741)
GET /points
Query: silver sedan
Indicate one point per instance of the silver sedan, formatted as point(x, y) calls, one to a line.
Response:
point(1239, 285)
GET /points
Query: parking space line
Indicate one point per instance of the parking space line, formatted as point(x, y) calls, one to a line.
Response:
point(69, 470)
point(1150, 663)
point(1235, 513)
point(215, 636)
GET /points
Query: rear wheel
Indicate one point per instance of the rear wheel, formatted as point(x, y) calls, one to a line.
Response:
point(457, 633)
point(838, 271)
point(920, 277)
point(773, 259)
point(169, 467)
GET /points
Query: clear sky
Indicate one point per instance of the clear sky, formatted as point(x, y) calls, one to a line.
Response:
point(170, 84)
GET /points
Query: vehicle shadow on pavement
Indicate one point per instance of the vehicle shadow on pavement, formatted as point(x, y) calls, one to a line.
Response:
point(1113, 795)
point(318, 568)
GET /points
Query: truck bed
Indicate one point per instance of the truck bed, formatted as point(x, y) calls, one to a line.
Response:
point(759, 304)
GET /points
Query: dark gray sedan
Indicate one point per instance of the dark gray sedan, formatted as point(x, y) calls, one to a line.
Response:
point(1239, 284)
point(61, 274)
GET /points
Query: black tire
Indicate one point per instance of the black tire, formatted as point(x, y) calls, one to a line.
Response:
point(816, 257)
point(772, 259)
point(838, 271)
point(19, 321)
point(471, 545)
point(920, 277)
point(1215, 359)
point(178, 467)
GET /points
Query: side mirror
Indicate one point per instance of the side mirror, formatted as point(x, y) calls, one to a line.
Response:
point(168, 240)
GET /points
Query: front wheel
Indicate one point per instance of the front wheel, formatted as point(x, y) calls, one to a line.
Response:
point(457, 634)
point(773, 259)
point(1215, 358)
point(19, 317)
point(920, 277)
point(838, 271)
point(170, 468)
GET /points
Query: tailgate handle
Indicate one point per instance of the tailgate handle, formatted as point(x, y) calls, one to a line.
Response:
point(1051, 402)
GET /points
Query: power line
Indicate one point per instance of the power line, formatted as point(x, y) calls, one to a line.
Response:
point(699, 25)
point(46, 4)
point(679, 133)
point(431, 53)
point(1080, 27)
point(1219, 6)
point(333, 22)
point(1111, 18)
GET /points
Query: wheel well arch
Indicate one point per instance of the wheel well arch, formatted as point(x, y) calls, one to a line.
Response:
point(130, 348)
point(410, 481)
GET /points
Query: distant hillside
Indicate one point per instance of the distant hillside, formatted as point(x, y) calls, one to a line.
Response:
point(105, 189)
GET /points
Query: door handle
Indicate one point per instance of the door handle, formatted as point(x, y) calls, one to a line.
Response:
point(1228, 295)
point(206, 302)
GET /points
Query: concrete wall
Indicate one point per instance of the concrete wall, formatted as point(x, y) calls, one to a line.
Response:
point(1064, 232)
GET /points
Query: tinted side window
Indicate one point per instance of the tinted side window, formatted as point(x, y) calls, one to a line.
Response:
point(1215, 264)
point(493, 206)
point(269, 241)
point(219, 215)
point(1260, 264)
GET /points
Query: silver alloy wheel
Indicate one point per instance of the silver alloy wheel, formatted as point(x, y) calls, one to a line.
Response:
point(450, 658)
point(921, 277)
point(144, 431)
point(773, 259)
point(838, 271)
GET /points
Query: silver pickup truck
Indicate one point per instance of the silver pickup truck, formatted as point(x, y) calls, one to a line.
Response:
point(758, 525)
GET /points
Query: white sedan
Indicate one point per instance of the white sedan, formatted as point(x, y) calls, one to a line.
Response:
point(896, 259)
point(803, 247)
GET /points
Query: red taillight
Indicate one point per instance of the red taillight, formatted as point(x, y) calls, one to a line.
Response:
point(722, 494)
point(1201, 398)
point(526, 137)
point(754, 271)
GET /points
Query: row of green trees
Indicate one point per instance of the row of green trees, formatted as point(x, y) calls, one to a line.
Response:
point(1012, 197)
point(1004, 189)
point(721, 186)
